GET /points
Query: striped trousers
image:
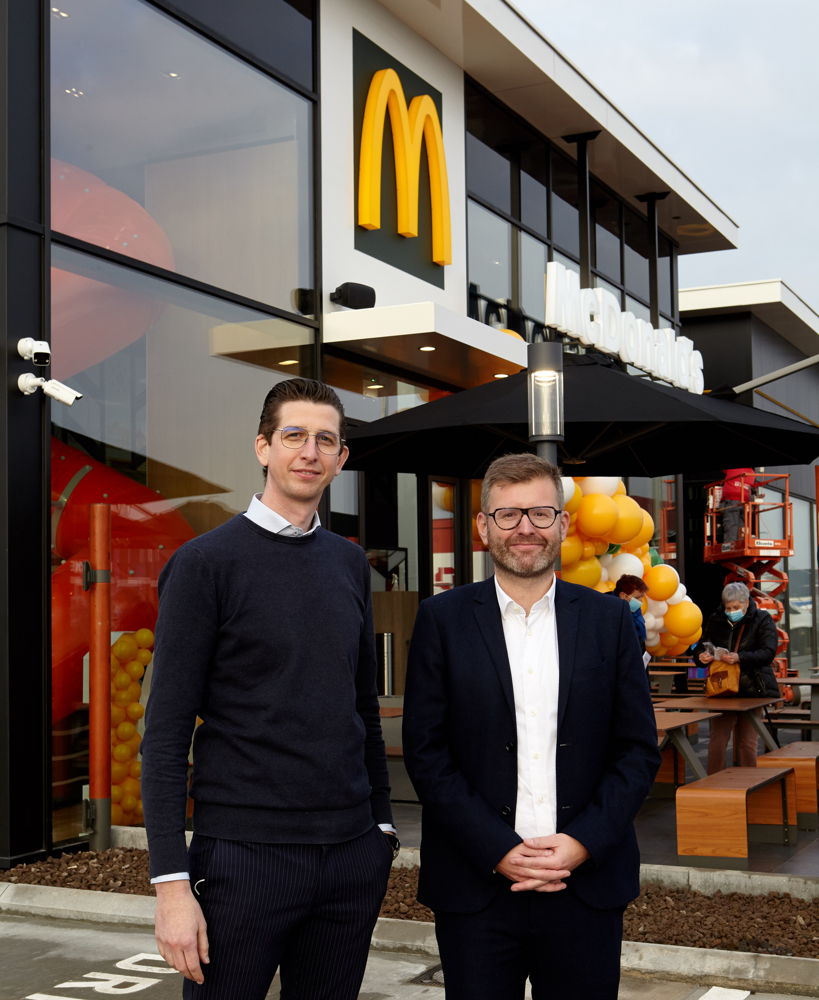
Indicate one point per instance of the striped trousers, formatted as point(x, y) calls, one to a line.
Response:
point(306, 909)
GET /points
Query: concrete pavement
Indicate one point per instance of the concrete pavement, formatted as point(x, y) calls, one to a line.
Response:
point(57, 959)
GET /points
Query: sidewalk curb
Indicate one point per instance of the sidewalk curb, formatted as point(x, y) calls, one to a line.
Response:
point(771, 973)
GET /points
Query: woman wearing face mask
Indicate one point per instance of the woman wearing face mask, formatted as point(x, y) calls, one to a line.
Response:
point(749, 636)
point(633, 589)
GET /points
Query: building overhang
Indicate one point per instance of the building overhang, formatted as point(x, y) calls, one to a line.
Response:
point(773, 302)
point(495, 44)
point(426, 340)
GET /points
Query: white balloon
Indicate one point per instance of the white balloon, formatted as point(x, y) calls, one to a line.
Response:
point(604, 575)
point(652, 638)
point(651, 621)
point(605, 560)
point(678, 595)
point(599, 484)
point(625, 562)
point(568, 488)
point(657, 608)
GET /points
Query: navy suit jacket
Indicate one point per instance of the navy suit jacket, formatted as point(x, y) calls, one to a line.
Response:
point(460, 744)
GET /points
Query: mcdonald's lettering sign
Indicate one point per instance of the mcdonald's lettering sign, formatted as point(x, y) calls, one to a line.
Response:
point(413, 237)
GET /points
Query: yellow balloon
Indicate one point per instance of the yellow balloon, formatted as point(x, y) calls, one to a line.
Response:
point(678, 650)
point(571, 550)
point(668, 639)
point(596, 515)
point(588, 550)
point(689, 640)
point(682, 619)
point(621, 489)
point(629, 520)
point(586, 572)
point(662, 581)
point(573, 502)
point(600, 546)
point(645, 534)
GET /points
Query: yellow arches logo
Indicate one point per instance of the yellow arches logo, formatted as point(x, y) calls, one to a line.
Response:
point(411, 127)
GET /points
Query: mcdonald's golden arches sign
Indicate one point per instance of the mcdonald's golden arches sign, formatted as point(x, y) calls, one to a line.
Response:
point(402, 196)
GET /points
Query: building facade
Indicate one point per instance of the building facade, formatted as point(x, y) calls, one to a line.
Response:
point(201, 199)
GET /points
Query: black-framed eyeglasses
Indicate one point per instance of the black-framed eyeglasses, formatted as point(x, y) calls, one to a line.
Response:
point(510, 517)
point(327, 442)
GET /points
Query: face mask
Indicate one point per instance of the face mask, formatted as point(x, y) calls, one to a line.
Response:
point(734, 616)
point(634, 604)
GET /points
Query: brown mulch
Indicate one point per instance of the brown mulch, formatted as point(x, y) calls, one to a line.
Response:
point(775, 924)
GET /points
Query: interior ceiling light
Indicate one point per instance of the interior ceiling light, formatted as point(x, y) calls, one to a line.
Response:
point(289, 361)
point(173, 76)
point(74, 92)
point(428, 347)
point(375, 385)
point(501, 375)
point(59, 13)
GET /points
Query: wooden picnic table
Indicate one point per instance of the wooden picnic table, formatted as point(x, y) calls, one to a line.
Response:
point(665, 677)
point(696, 703)
point(672, 727)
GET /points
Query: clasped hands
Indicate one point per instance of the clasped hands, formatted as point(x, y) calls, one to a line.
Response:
point(726, 658)
point(542, 864)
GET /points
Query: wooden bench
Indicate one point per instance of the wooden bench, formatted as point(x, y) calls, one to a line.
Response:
point(804, 759)
point(719, 815)
point(795, 718)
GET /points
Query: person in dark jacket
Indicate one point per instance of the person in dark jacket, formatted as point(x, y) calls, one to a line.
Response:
point(633, 589)
point(748, 635)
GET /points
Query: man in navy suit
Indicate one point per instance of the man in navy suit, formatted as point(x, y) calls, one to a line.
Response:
point(530, 738)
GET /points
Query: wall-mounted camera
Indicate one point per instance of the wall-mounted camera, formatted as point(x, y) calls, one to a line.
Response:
point(36, 351)
point(29, 383)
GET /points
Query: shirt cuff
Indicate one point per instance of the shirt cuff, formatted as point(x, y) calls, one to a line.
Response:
point(175, 877)
point(386, 827)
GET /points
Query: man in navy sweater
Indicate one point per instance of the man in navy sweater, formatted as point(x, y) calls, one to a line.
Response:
point(265, 633)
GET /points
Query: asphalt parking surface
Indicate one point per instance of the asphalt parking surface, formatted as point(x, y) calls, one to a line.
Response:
point(48, 959)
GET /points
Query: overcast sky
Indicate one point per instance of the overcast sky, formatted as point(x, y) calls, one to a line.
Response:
point(728, 89)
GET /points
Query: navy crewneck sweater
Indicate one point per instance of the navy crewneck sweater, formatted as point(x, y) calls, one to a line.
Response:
point(268, 639)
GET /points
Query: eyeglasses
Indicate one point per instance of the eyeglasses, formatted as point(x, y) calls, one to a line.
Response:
point(327, 442)
point(510, 517)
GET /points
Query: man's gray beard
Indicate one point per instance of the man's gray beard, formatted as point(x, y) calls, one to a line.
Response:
point(517, 565)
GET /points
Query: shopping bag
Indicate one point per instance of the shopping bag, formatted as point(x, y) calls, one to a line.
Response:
point(722, 679)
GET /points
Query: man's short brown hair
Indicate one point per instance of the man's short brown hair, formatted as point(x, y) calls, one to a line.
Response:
point(294, 390)
point(520, 468)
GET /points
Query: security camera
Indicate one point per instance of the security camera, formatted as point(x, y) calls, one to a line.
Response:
point(37, 351)
point(28, 383)
point(62, 393)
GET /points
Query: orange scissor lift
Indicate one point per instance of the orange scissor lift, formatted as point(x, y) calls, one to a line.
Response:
point(753, 557)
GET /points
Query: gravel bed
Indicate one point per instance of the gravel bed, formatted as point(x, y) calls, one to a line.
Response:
point(776, 924)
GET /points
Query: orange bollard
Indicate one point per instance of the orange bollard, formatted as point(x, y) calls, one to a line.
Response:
point(97, 576)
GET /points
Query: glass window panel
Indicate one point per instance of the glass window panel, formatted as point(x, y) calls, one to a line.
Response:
point(490, 253)
point(636, 254)
point(606, 232)
point(801, 591)
point(567, 262)
point(443, 535)
point(533, 257)
point(489, 175)
point(565, 215)
point(534, 193)
point(639, 309)
point(278, 33)
point(173, 382)
point(664, 268)
point(170, 150)
point(602, 283)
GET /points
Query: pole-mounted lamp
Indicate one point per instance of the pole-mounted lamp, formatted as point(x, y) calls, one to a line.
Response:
point(545, 381)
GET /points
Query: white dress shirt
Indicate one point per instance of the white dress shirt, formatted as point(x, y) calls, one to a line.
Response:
point(531, 645)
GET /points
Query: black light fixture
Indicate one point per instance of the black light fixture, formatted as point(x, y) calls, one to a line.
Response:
point(545, 382)
point(353, 295)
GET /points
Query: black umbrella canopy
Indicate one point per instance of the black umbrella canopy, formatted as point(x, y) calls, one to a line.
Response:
point(616, 424)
